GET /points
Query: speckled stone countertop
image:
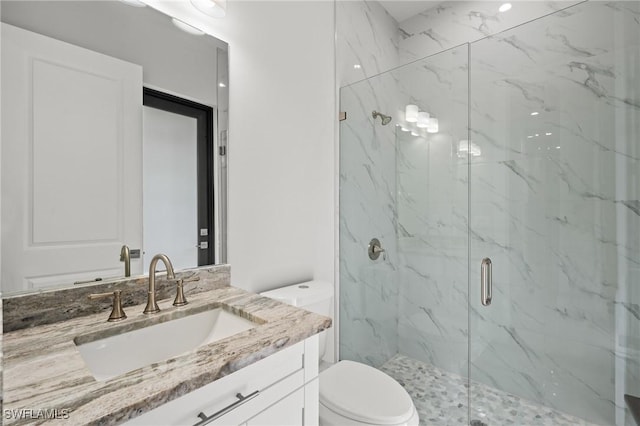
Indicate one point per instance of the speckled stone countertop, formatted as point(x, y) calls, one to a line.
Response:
point(44, 370)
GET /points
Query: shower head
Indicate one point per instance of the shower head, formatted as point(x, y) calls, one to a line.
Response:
point(385, 118)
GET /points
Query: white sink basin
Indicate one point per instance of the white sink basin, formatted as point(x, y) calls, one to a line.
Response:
point(116, 355)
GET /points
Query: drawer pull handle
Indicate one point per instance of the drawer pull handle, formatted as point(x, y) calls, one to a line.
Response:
point(241, 400)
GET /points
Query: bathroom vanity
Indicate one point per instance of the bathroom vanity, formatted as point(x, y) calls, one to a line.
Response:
point(256, 375)
point(281, 389)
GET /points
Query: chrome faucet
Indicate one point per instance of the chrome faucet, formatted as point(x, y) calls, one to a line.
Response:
point(152, 306)
point(125, 256)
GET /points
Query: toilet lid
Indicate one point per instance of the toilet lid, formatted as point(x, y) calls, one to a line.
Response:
point(364, 394)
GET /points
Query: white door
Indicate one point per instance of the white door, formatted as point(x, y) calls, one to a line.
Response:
point(71, 162)
point(170, 176)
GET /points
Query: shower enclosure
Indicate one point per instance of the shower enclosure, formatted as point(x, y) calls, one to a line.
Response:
point(535, 165)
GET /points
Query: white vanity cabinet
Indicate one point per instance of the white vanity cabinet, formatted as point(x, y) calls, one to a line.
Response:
point(281, 389)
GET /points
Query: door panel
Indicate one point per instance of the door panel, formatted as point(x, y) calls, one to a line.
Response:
point(179, 171)
point(71, 155)
point(170, 187)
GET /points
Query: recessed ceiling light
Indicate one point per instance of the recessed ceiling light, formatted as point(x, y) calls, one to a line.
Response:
point(535, 113)
point(529, 137)
point(504, 7)
point(186, 27)
point(221, 84)
point(537, 134)
point(357, 66)
point(548, 133)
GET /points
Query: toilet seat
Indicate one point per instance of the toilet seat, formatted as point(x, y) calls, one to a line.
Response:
point(364, 394)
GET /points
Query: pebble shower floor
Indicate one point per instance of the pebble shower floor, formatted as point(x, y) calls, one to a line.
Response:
point(441, 399)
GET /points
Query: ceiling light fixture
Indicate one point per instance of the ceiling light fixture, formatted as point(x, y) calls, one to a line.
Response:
point(411, 113)
point(432, 127)
point(215, 8)
point(466, 146)
point(423, 120)
point(357, 66)
point(504, 7)
point(535, 113)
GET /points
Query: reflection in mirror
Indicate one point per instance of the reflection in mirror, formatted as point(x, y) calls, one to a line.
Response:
point(89, 165)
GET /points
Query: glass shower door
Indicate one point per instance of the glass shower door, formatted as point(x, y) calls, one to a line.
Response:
point(554, 176)
point(404, 182)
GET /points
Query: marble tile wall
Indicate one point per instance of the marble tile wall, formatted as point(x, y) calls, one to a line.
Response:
point(366, 40)
point(554, 197)
point(369, 42)
point(368, 289)
point(432, 187)
point(369, 37)
point(452, 23)
point(560, 224)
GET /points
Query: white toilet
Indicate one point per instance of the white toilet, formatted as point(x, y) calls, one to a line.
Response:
point(351, 393)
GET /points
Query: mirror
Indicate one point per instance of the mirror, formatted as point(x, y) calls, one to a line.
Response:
point(113, 120)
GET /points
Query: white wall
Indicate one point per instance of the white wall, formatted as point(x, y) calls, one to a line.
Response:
point(281, 146)
point(141, 36)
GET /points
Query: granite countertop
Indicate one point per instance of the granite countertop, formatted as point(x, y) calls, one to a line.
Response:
point(43, 369)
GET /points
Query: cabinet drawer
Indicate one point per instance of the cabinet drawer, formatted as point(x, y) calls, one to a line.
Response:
point(287, 412)
point(265, 402)
point(216, 396)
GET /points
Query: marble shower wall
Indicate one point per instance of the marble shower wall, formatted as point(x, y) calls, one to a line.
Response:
point(561, 224)
point(555, 109)
point(452, 23)
point(368, 321)
point(367, 40)
point(370, 41)
point(432, 204)
point(368, 289)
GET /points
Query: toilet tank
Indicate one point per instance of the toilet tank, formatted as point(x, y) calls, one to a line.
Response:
point(314, 296)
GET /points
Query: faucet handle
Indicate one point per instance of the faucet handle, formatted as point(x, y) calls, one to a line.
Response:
point(180, 300)
point(117, 313)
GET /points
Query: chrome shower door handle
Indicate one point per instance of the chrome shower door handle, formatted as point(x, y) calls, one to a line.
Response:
point(485, 282)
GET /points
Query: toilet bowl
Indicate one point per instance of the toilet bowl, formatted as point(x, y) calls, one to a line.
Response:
point(351, 393)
